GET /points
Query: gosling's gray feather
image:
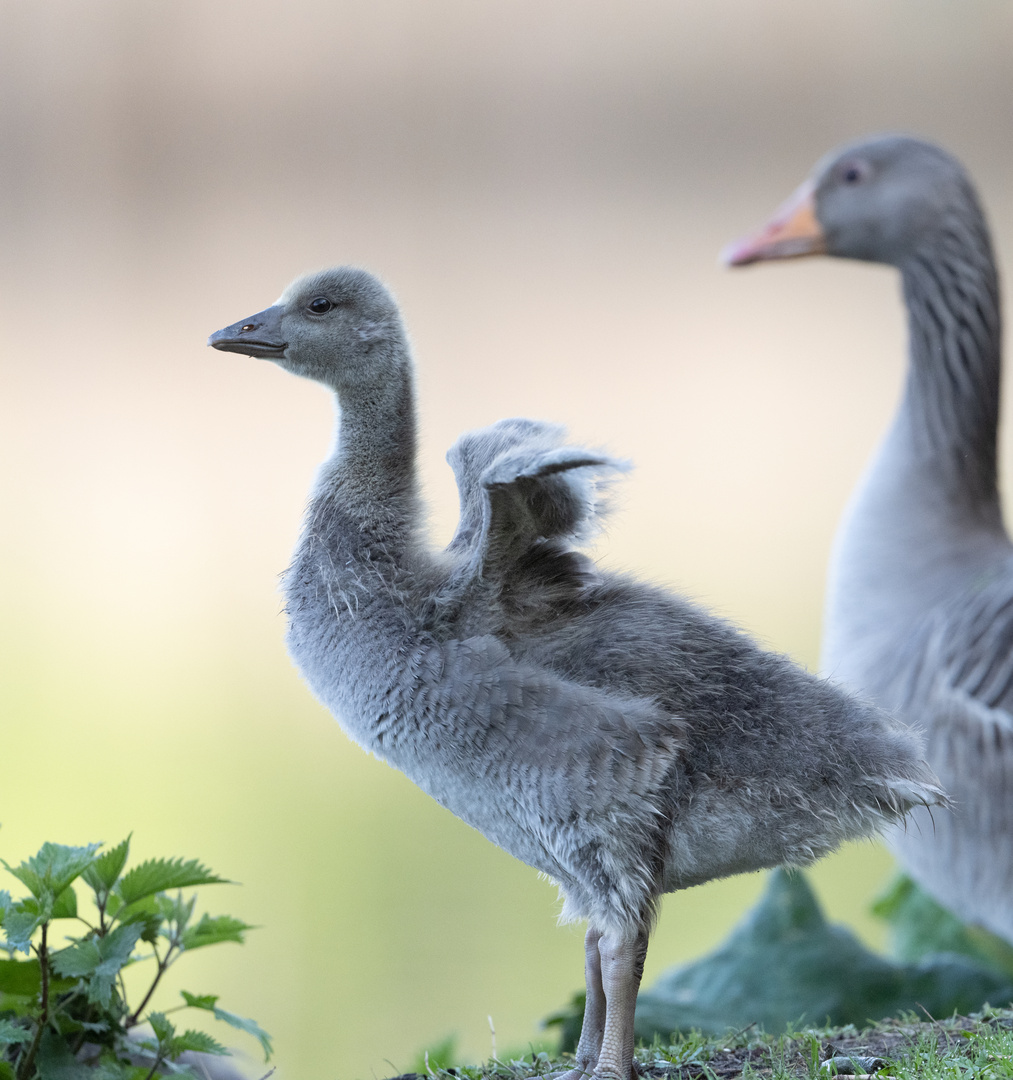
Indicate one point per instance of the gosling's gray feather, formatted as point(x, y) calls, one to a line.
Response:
point(522, 490)
point(600, 729)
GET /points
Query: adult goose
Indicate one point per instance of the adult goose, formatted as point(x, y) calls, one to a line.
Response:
point(601, 730)
point(919, 612)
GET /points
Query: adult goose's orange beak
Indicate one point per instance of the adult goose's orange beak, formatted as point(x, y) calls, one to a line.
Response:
point(793, 231)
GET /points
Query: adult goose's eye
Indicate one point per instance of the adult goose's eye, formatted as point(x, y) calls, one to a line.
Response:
point(320, 305)
point(853, 173)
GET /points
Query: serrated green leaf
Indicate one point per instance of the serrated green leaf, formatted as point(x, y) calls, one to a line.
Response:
point(100, 989)
point(12, 1033)
point(150, 928)
point(210, 930)
point(108, 1068)
point(53, 868)
point(20, 977)
point(159, 875)
point(65, 905)
point(162, 1027)
point(98, 1026)
point(142, 1048)
point(116, 949)
point(104, 871)
point(21, 981)
point(19, 926)
point(195, 1041)
point(146, 912)
point(117, 946)
point(143, 910)
point(251, 1027)
point(77, 960)
point(56, 1062)
point(98, 961)
point(199, 1001)
point(129, 1072)
point(26, 876)
point(176, 909)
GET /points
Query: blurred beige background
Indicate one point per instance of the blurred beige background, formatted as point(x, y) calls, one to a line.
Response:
point(546, 186)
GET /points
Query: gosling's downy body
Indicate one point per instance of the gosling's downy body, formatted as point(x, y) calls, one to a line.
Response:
point(601, 730)
point(919, 609)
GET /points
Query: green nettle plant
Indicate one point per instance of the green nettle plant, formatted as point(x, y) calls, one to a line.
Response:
point(64, 1011)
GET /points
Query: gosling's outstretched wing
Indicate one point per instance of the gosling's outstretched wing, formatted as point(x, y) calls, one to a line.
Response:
point(524, 493)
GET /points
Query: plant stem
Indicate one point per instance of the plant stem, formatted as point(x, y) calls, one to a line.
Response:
point(154, 1068)
point(162, 966)
point(44, 968)
point(25, 1070)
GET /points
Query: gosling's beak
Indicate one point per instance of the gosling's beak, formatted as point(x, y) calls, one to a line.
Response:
point(259, 335)
point(793, 231)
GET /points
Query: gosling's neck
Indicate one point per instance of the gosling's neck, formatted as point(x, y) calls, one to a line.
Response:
point(367, 490)
point(353, 595)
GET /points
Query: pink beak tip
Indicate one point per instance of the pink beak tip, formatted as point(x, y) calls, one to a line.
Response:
point(737, 253)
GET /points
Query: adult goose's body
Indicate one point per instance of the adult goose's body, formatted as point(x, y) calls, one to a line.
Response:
point(920, 598)
point(601, 730)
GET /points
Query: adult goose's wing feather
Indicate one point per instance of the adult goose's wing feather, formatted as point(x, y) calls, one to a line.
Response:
point(955, 681)
point(977, 649)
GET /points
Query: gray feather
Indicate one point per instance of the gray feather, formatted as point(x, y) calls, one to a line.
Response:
point(920, 599)
point(602, 730)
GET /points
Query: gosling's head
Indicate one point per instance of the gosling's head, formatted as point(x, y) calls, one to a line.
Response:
point(878, 200)
point(340, 327)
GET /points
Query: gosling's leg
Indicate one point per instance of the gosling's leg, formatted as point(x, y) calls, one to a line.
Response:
point(622, 967)
point(593, 1027)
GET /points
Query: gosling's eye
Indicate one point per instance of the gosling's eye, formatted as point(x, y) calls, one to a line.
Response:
point(854, 173)
point(320, 305)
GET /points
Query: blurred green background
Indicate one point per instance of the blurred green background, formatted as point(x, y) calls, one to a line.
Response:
point(545, 185)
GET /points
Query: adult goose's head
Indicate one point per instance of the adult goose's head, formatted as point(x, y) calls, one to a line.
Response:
point(879, 200)
point(339, 327)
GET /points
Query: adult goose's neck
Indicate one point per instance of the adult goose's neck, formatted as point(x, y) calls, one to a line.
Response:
point(950, 411)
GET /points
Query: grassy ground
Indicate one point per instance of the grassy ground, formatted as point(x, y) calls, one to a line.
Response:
point(964, 1048)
